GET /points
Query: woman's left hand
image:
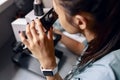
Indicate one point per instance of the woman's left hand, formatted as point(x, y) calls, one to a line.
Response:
point(39, 43)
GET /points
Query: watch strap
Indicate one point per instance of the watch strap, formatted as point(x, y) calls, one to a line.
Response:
point(49, 72)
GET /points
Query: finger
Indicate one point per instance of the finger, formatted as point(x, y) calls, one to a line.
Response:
point(23, 39)
point(28, 33)
point(56, 31)
point(33, 30)
point(50, 34)
point(40, 27)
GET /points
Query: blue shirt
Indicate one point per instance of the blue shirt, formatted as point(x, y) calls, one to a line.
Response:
point(101, 69)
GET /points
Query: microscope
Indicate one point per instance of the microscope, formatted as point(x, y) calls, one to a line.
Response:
point(24, 58)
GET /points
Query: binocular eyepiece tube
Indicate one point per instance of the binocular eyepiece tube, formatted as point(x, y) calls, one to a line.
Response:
point(48, 19)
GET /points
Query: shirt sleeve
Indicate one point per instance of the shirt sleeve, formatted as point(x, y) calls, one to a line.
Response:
point(96, 72)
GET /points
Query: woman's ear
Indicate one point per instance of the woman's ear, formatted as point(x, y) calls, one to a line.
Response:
point(81, 21)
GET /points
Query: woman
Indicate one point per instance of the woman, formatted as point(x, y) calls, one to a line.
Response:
point(98, 21)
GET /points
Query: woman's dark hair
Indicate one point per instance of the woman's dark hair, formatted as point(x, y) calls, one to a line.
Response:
point(107, 27)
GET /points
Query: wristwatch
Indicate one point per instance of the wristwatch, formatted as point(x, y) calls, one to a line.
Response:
point(49, 72)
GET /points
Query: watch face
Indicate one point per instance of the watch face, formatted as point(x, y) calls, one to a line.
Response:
point(48, 73)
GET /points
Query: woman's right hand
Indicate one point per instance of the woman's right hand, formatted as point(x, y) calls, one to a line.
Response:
point(40, 44)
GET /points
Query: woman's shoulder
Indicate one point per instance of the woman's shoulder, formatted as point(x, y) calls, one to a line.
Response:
point(109, 58)
point(110, 64)
point(101, 68)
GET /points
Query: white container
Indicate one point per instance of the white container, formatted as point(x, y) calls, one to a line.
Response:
point(18, 25)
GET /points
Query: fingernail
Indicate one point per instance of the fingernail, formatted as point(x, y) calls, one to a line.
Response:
point(27, 23)
point(19, 31)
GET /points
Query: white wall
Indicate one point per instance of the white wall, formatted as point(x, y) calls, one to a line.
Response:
point(6, 4)
point(47, 3)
